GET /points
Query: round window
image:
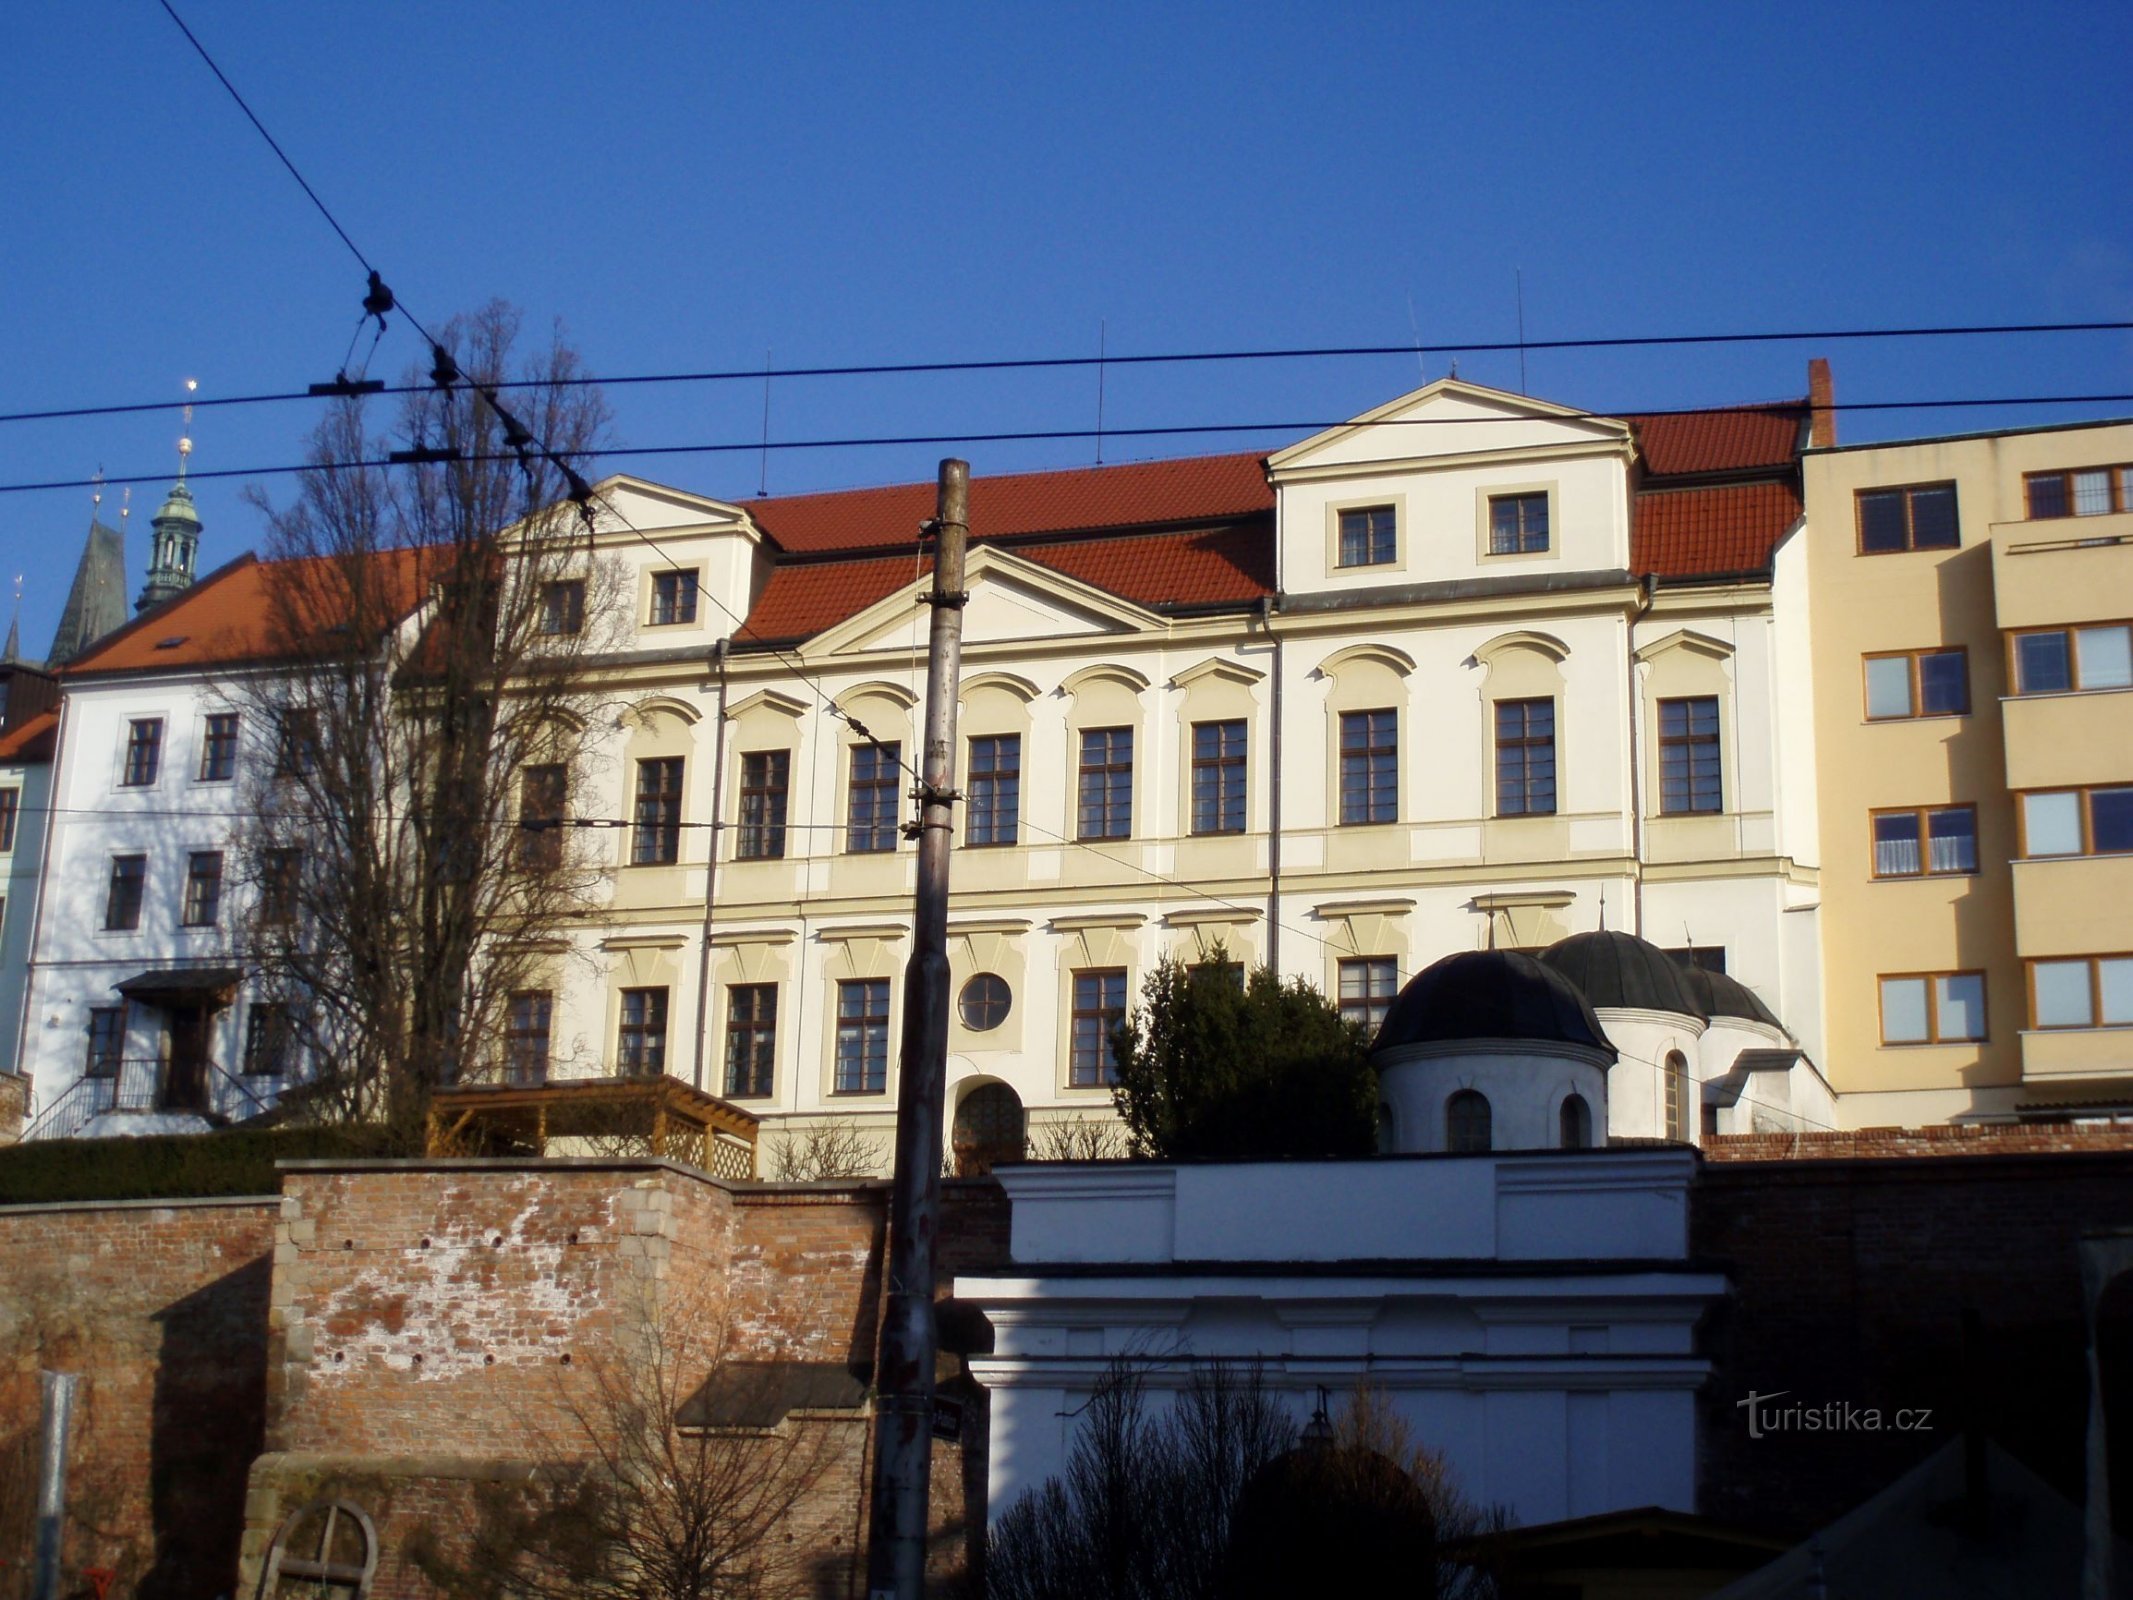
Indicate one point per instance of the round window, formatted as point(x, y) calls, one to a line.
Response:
point(985, 1002)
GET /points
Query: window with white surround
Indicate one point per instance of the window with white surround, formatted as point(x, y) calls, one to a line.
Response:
point(122, 902)
point(751, 1039)
point(1370, 766)
point(673, 598)
point(2081, 992)
point(641, 1043)
point(1368, 537)
point(862, 1037)
point(1932, 1007)
point(1367, 987)
point(1099, 1006)
point(144, 753)
point(1518, 523)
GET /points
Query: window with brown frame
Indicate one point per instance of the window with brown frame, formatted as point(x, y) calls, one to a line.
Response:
point(218, 748)
point(281, 872)
point(1919, 516)
point(1925, 841)
point(1917, 683)
point(1368, 537)
point(2077, 822)
point(1099, 1006)
point(563, 607)
point(1690, 771)
point(1367, 987)
point(203, 889)
point(144, 752)
point(751, 1039)
point(1932, 1007)
point(122, 902)
point(2071, 660)
point(1518, 524)
point(526, 1036)
point(766, 776)
point(543, 808)
point(2079, 492)
point(10, 809)
point(641, 1041)
point(673, 598)
point(1218, 777)
point(1525, 758)
point(2081, 992)
point(1104, 803)
point(655, 836)
point(1370, 766)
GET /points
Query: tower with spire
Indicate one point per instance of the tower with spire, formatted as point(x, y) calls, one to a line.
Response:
point(176, 544)
point(96, 602)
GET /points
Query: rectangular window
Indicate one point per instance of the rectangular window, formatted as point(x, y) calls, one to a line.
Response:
point(2082, 492)
point(144, 752)
point(751, 1039)
point(673, 598)
point(2081, 992)
point(641, 1046)
point(1367, 986)
point(862, 1036)
point(1218, 777)
point(1689, 779)
point(2064, 660)
point(526, 1035)
point(1525, 758)
point(1099, 1006)
point(765, 775)
point(10, 810)
point(1917, 683)
point(994, 808)
point(218, 748)
point(203, 888)
point(122, 904)
point(1370, 766)
point(655, 839)
point(268, 1034)
point(2078, 822)
point(543, 809)
point(107, 1041)
point(1104, 797)
point(563, 607)
point(296, 743)
point(281, 873)
point(1518, 524)
point(1921, 517)
point(1933, 1008)
point(1926, 842)
point(1367, 537)
point(870, 815)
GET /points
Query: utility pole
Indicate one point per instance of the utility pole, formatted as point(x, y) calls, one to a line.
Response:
point(903, 1376)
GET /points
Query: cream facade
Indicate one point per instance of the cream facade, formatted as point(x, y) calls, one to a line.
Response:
point(1973, 706)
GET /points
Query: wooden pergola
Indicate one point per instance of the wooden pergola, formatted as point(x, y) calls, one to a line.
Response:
point(659, 1116)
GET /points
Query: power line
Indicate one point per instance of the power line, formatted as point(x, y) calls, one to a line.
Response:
point(1044, 435)
point(1157, 358)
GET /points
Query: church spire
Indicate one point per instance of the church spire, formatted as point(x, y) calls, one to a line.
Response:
point(176, 544)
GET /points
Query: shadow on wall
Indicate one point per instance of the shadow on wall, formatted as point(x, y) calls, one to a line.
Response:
point(209, 1414)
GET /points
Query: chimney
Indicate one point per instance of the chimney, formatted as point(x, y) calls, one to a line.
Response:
point(1821, 403)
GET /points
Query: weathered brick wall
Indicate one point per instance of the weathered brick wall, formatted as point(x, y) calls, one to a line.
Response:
point(1965, 1139)
point(161, 1308)
point(1850, 1279)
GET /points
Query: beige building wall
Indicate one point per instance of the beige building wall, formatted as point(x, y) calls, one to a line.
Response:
point(2007, 573)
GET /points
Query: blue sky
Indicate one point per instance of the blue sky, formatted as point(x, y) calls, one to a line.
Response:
point(688, 186)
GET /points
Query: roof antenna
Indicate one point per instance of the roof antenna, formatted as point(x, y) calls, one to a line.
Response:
point(1519, 278)
point(185, 443)
point(1603, 908)
point(1103, 329)
point(762, 479)
point(96, 495)
point(125, 506)
point(1415, 326)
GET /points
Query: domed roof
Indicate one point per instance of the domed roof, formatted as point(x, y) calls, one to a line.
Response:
point(1729, 997)
point(1490, 994)
point(1622, 970)
point(179, 507)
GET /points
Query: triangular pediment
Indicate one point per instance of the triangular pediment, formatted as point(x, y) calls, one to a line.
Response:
point(628, 506)
point(1450, 419)
point(1013, 600)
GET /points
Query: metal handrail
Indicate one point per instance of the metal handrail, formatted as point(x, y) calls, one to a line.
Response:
point(139, 1083)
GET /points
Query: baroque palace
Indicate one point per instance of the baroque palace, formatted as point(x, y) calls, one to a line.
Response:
point(1823, 737)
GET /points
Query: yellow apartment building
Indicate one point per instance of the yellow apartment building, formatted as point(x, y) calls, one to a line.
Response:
point(1968, 602)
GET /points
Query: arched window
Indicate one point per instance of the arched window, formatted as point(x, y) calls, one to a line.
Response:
point(1675, 1121)
point(989, 1127)
point(1467, 1123)
point(1576, 1122)
point(1388, 1129)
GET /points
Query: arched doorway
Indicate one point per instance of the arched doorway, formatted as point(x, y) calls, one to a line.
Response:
point(989, 1127)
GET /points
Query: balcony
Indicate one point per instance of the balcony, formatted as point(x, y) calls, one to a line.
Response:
point(2065, 570)
point(2065, 1055)
point(2072, 905)
point(2059, 741)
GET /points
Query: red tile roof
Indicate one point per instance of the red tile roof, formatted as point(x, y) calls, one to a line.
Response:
point(1731, 439)
point(33, 740)
point(236, 614)
point(1702, 532)
point(1214, 566)
point(1142, 494)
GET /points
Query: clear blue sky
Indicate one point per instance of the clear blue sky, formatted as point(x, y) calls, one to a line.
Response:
point(686, 186)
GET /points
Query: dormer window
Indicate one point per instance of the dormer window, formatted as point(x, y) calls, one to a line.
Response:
point(1368, 537)
point(1518, 524)
point(673, 598)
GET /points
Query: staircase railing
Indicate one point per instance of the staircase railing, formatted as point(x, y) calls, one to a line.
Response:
point(141, 1084)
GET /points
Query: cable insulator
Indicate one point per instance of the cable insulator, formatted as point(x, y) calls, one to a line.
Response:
point(444, 371)
point(379, 300)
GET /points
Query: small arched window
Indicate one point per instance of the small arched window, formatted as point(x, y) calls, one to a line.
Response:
point(1468, 1123)
point(1388, 1129)
point(1576, 1123)
point(1676, 1117)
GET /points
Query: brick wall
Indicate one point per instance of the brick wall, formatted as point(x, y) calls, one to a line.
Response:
point(1964, 1139)
point(1851, 1276)
point(162, 1310)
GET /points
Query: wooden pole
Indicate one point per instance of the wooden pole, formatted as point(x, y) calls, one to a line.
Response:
point(903, 1376)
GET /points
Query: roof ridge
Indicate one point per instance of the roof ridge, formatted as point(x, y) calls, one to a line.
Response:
point(141, 619)
point(1008, 477)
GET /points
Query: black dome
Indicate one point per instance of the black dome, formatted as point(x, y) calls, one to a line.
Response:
point(1490, 994)
point(1622, 970)
point(1729, 997)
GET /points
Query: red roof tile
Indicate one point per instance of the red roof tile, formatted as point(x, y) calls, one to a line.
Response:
point(1732, 439)
point(235, 613)
point(33, 740)
point(1202, 567)
point(1733, 527)
point(1192, 489)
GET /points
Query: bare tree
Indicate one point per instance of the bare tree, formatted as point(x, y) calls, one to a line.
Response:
point(428, 632)
point(824, 1152)
point(1079, 1139)
point(668, 1478)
